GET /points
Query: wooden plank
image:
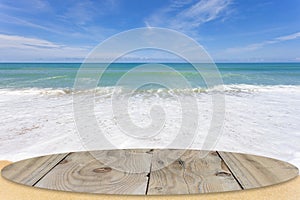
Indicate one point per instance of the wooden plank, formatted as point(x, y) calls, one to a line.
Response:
point(190, 174)
point(81, 172)
point(254, 171)
point(29, 171)
point(129, 160)
point(152, 172)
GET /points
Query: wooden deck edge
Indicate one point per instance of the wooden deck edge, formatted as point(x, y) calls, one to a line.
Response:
point(50, 169)
point(231, 171)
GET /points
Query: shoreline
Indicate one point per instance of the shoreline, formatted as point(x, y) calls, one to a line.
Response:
point(261, 122)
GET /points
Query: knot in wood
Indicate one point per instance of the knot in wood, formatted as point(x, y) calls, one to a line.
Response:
point(102, 170)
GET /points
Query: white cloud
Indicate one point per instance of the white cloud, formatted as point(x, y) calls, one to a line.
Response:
point(21, 42)
point(147, 24)
point(35, 6)
point(289, 37)
point(81, 12)
point(186, 16)
point(255, 46)
point(19, 48)
point(78, 19)
point(14, 48)
point(22, 22)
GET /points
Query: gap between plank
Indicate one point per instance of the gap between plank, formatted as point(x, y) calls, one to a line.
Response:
point(231, 171)
point(149, 174)
point(50, 169)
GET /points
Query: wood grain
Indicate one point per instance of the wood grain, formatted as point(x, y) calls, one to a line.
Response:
point(255, 171)
point(190, 174)
point(128, 160)
point(150, 172)
point(81, 172)
point(29, 171)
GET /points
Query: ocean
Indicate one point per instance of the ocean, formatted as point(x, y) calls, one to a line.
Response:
point(262, 109)
point(62, 75)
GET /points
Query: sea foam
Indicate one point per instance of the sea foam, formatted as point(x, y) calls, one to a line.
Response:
point(260, 120)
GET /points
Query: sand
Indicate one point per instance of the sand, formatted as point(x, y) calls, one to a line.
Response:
point(12, 191)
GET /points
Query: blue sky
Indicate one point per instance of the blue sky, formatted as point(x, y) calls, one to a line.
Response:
point(230, 30)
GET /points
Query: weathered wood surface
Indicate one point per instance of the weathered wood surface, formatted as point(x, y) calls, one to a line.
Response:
point(150, 172)
point(190, 174)
point(30, 171)
point(254, 171)
point(81, 172)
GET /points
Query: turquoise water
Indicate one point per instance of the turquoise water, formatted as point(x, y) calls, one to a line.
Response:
point(62, 75)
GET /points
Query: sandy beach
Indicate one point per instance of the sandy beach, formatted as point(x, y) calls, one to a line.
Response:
point(213, 75)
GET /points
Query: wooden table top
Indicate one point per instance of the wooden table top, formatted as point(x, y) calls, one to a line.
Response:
point(150, 171)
